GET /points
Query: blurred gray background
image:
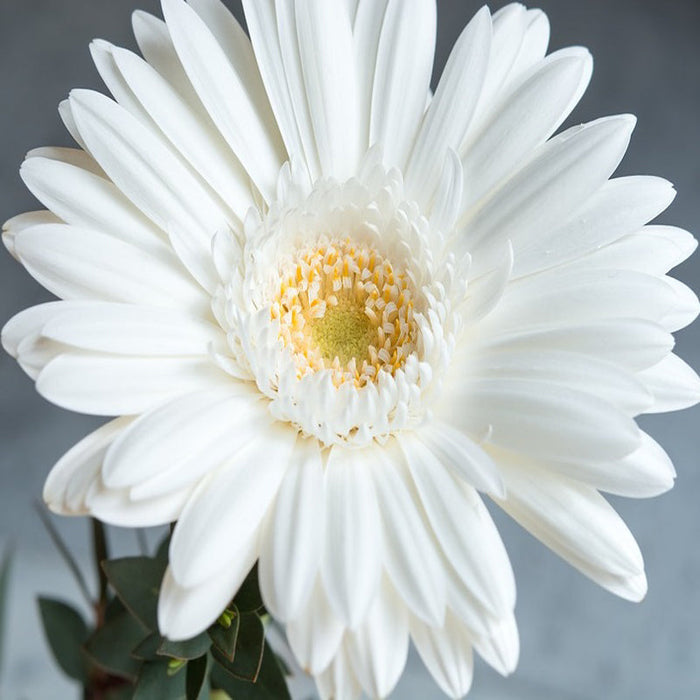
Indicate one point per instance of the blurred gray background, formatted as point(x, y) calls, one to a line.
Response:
point(578, 642)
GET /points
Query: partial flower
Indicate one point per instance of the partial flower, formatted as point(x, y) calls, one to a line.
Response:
point(331, 308)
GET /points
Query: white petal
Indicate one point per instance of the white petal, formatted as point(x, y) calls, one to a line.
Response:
point(410, 556)
point(189, 130)
point(524, 120)
point(573, 370)
point(338, 681)
point(326, 50)
point(291, 550)
point(464, 529)
point(65, 111)
point(447, 654)
point(448, 198)
point(654, 250)
point(575, 521)
point(402, 78)
point(645, 473)
point(86, 200)
point(277, 72)
point(109, 385)
point(620, 207)
point(230, 501)
point(80, 264)
point(185, 612)
point(117, 508)
point(533, 47)
point(247, 125)
point(146, 170)
point(29, 323)
point(368, 22)
point(674, 384)
point(378, 649)
point(13, 226)
point(316, 633)
point(449, 115)
point(124, 329)
point(183, 440)
point(501, 648)
point(487, 290)
point(153, 38)
point(631, 343)
point(564, 173)
point(463, 456)
point(68, 482)
point(70, 156)
point(544, 420)
point(352, 557)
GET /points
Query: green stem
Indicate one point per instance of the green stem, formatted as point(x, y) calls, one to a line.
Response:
point(101, 554)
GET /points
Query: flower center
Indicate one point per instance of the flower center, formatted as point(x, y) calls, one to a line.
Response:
point(342, 307)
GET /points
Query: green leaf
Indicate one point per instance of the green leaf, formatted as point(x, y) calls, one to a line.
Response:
point(4, 595)
point(66, 632)
point(136, 580)
point(270, 684)
point(189, 649)
point(249, 650)
point(248, 598)
point(155, 682)
point(109, 647)
point(124, 692)
point(225, 639)
point(197, 679)
point(147, 650)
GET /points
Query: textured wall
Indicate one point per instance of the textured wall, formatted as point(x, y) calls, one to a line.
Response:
point(578, 641)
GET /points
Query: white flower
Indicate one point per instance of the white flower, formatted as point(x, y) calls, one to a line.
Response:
point(331, 307)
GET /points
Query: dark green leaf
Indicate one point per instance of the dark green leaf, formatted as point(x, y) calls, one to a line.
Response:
point(66, 632)
point(163, 548)
point(109, 648)
point(248, 597)
point(197, 681)
point(270, 684)
point(147, 650)
point(249, 650)
point(189, 649)
point(136, 581)
point(156, 683)
point(225, 638)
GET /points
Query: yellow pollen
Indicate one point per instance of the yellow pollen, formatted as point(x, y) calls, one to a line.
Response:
point(343, 308)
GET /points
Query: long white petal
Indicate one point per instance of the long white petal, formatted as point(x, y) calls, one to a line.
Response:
point(110, 385)
point(338, 681)
point(291, 551)
point(229, 501)
point(620, 207)
point(18, 223)
point(449, 115)
point(524, 121)
point(352, 557)
point(68, 482)
point(86, 200)
point(326, 51)
point(447, 654)
point(80, 264)
point(378, 649)
point(247, 125)
point(545, 420)
point(410, 556)
point(673, 383)
point(464, 529)
point(563, 174)
point(316, 633)
point(575, 521)
point(185, 612)
point(402, 78)
point(181, 441)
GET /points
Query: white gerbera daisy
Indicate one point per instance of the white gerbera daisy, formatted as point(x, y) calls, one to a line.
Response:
point(331, 307)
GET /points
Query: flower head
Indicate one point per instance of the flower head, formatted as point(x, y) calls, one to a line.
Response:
point(332, 307)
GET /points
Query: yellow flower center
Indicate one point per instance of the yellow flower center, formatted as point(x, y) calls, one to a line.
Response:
point(344, 308)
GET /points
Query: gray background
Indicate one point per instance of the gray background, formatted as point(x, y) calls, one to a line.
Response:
point(578, 642)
